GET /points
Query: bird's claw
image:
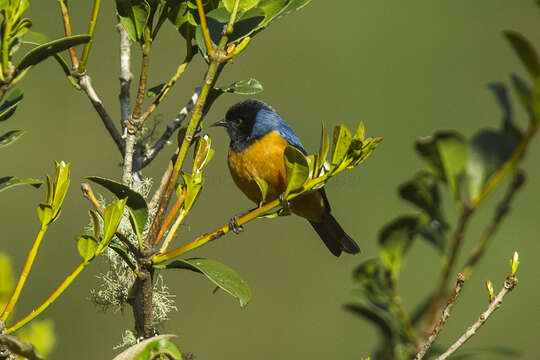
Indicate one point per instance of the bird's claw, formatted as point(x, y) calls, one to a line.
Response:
point(285, 203)
point(233, 225)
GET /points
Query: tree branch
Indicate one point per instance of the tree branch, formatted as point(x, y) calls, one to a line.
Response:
point(125, 73)
point(509, 284)
point(67, 30)
point(85, 83)
point(442, 320)
point(91, 28)
point(457, 240)
point(502, 210)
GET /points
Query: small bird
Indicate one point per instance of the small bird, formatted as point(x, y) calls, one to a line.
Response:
point(259, 137)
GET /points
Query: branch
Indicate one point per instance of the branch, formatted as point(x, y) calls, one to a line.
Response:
point(204, 27)
point(509, 284)
point(85, 83)
point(457, 240)
point(125, 72)
point(63, 286)
point(67, 30)
point(508, 165)
point(502, 210)
point(91, 28)
point(171, 128)
point(442, 320)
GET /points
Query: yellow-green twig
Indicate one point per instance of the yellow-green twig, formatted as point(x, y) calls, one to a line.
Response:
point(69, 279)
point(91, 28)
point(204, 27)
point(24, 275)
point(68, 32)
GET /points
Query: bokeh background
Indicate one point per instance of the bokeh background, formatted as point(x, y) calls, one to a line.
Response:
point(405, 69)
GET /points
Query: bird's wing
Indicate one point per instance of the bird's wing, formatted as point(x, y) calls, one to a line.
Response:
point(290, 136)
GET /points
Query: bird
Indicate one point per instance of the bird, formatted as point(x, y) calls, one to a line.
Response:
point(258, 138)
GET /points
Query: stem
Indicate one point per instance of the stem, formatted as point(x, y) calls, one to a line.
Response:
point(91, 28)
point(69, 279)
point(509, 284)
point(457, 240)
point(203, 239)
point(125, 73)
point(442, 320)
point(5, 48)
point(85, 83)
point(67, 30)
point(507, 166)
point(141, 303)
point(127, 168)
point(204, 27)
point(169, 220)
point(26, 270)
point(502, 210)
point(399, 311)
point(218, 58)
point(145, 63)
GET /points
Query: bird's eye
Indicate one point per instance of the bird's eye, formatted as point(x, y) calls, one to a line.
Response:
point(237, 121)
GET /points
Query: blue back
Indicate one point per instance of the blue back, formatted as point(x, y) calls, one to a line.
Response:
point(267, 121)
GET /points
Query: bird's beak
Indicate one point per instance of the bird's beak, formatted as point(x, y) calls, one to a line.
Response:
point(221, 122)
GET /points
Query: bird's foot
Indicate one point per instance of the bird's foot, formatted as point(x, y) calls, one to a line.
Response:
point(285, 204)
point(233, 225)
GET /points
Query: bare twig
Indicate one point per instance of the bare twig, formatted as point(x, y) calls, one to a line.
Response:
point(509, 284)
point(91, 28)
point(502, 210)
point(85, 83)
point(457, 240)
point(151, 153)
point(125, 73)
point(162, 185)
point(442, 320)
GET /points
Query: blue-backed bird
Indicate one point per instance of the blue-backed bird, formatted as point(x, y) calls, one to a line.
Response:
point(259, 137)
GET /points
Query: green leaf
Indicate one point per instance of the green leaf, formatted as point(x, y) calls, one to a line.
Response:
point(323, 151)
point(434, 230)
point(42, 52)
point(123, 252)
point(263, 188)
point(361, 131)
point(203, 154)
point(150, 349)
point(11, 181)
point(501, 96)
point(489, 150)
point(423, 192)
point(221, 275)
point(61, 184)
point(244, 87)
point(394, 240)
point(156, 90)
point(45, 213)
point(271, 9)
point(379, 318)
point(445, 155)
point(10, 137)
point(7, 109)
point(134, 15)
point(243, 5)
point(524, 93)
point(193, 188)
point(87, 246)
point(342, 140)
point(137, 207)
point(525, 51)
point(370, 283)
point(39, 333)
point(96, 225)
point(111, 219)
point(297, 169)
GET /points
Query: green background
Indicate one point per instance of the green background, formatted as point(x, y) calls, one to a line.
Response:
point(405, 68)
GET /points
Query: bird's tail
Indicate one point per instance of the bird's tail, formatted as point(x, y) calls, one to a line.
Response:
point(333, 235)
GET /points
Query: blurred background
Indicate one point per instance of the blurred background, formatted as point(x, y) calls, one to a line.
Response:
point(405, 70)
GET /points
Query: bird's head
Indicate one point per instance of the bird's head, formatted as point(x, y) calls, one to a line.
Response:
point(248, 121)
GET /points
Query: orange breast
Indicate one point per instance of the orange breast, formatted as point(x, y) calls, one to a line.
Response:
point(264, 160)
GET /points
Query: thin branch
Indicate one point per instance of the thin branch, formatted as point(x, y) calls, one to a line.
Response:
point(442, 320)
point(399, 311)
point(502, 210)
point(171, 128)
point(508, 165)
point(127, 167)
point(91, 28)
point(24, 274)
point(457, 240)
point(143, 79)
point(85, 83)
point(169, 220)
point(204, 27)
point(162, 186)
point(67, 30)
point(125, 73)
point(63, 286)
point(509, 284)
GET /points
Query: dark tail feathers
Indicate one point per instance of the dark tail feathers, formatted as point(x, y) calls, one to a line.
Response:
point(333, 235)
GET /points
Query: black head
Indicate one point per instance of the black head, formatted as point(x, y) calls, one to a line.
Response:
point(240, 121)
